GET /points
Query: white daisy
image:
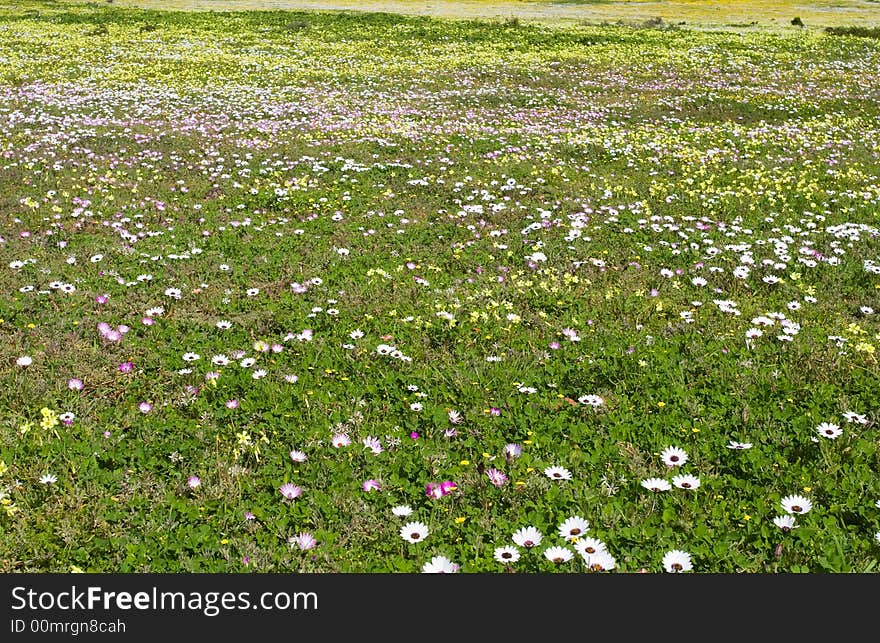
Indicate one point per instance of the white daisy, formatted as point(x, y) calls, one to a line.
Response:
point(557, 473)
point(414, 532)
point(829, 430)
point(558, 554)
point(527, 537)
point(589, 546)
point(686, 481)
point(506, 554)
point(439, 565)
point(656, 484)
point(673, 456)
point(591, 400)
point(785, 523)
point(600, 561)
point(796, 504)
point(573, 527)
point(677, 561)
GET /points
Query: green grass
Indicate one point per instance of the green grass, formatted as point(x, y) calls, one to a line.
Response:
point(531, 214)
point(757, 14)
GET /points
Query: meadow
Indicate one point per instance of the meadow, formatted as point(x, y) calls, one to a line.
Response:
point(360, 292)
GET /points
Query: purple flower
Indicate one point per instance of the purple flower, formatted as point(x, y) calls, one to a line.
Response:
point(494, 411)
point(290, 491)
point(126, 367)
point(414, 435)
point(371, 485)
point(304, 541)
point(145, 407)
point(249, 516)
point(193, 481)
point(101, 299)
point(231, 404)
point(496, 477)
point(75, 384)
point(512, 451)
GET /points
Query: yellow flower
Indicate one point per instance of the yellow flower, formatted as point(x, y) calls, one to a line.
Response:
point(460, 520)
point(465, 463)
point(3, 467)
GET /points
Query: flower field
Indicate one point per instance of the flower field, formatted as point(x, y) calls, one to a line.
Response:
point(340, 292)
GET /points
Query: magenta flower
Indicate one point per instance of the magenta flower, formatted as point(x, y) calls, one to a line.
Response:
point(440, 489)
point(126, 367)
point(249, 516)
point(371, 485)
point(494, 411)
point(193, 481)
point(231, 404)
point(147, 321)
point(290, 491)
point(414, 435)
point(102, 299)
point(145, 407)
point(75, 384)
